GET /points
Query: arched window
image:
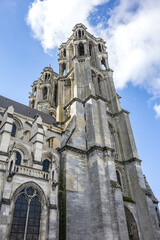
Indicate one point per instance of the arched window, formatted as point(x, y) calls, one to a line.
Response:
point(90, 49)
point(131, 225)
point(26, 216)
point(118, 178)
point(64, 52)
point(44, 93)
point(56, 95)
point(14, 128)
point(46, 165)
point(103, 64)
point(99, 48)
point(18, 158)
point(63, 69)
point(79, 33)
point(81, 49)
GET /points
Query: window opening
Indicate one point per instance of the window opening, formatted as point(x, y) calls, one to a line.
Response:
point(64, 52)
point(56, 95)
point(103, 64)
point(30, 191)
point(19, 218)
point(63, 69)
point(34, 219)
point(82, 33)
point(26, 216)
point(44, 93)
point(99, 48)
point(90, 49)
point(79, 34)
point(81, 49)
point(131, 225)
point(18, 158)
point(14, 128)
point(118, 178)
point(46, 165)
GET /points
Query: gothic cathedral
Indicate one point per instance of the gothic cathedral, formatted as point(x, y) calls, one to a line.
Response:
point(69, 168)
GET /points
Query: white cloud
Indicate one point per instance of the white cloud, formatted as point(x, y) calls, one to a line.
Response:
point(157, 110)
point(132, 35)
point(133, 38)
point(52, 21)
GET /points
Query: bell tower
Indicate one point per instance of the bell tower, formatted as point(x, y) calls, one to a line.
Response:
point(44, 92)
point(102, 185)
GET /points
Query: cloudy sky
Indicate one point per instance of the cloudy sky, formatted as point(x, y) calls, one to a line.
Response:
point(31, 31)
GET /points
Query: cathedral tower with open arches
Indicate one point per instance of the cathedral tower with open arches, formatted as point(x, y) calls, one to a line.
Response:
point(69, 166)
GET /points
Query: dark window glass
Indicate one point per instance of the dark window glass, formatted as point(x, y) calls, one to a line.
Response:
point(30, 191)
point(90, 49)
point(103, 64)
point(99, 47)
point(18, 158)
point(23, 222)
point(45, 165)
point(64, 52)
point(79, 34)
point(19, 218)
point(34, 219)
point(118, 178)
point(81, 49)
point(14, 128)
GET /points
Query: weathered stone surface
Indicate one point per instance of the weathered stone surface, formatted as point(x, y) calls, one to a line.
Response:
point(84, 168)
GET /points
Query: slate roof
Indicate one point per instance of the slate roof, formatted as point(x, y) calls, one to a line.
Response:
point(26, 111)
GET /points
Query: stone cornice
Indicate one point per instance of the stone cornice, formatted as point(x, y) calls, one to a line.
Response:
point(86, 100)
point(122, 111)
point(86, 152)
point(129, 161)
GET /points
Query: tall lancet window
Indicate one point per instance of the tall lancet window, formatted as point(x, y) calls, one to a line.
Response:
point(26, 216)
point(14, 129)
point(81, 49)
point(44, 93)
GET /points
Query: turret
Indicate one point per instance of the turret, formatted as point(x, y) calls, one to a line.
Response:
point(44, 92)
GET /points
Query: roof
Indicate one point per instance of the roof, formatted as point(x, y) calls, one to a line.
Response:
point(26, 111)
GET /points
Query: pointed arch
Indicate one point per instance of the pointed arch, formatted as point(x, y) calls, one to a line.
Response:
point(103, 64)
point(131, 225)
point(34, 186)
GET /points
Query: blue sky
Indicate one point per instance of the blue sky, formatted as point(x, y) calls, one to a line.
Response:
point(32, 30)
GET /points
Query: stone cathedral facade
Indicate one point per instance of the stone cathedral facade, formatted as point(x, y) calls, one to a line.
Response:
point(69, 168)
